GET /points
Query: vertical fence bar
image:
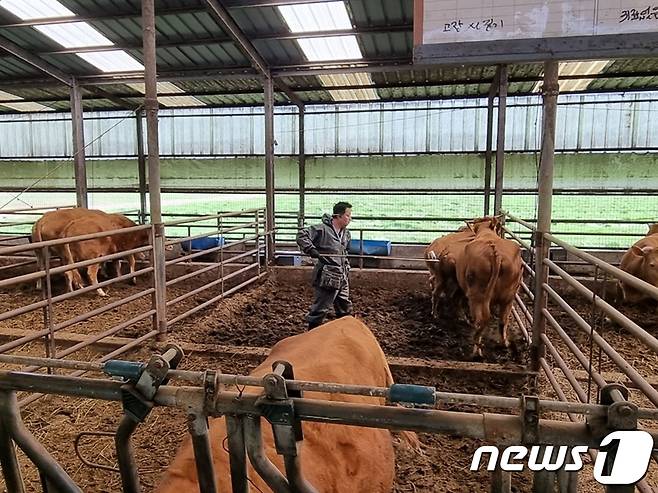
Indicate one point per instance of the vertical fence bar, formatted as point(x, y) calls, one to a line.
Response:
point(237, 454)
point(221, 252)
point(269, 169)
point(126, 456)
point(545, 189)
point(79, 164)
point(198, 427)
point(302, 171)
point(46, 294)
point(500, 139)
point(257, 235)
point(151, 107)
point(360, 249)
point(141, 164)
point(11, 471)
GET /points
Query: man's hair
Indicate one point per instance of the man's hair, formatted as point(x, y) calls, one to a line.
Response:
point(340, 208)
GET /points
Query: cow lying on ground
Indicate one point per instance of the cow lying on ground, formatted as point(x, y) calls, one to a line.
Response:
point(641, 261)
point(489, 274)
point(334, 458)
point(78, 251)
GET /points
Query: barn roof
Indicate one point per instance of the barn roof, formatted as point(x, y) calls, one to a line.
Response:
point(202, 61)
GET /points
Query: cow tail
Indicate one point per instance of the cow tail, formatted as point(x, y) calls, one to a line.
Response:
point(495, 271)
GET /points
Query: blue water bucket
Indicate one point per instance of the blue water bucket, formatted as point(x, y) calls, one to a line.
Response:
point(371, 247)
point(203, 243)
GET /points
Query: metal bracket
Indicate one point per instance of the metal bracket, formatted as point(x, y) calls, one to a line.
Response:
point(622, 414)
point(530, 416)
point(211, 387)
point(279, 410)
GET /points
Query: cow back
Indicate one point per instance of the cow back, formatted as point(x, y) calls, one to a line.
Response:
point(338, 459)
point(51, 225)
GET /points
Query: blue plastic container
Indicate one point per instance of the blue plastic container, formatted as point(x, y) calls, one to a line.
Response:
point(203, 243)
point(371, 247)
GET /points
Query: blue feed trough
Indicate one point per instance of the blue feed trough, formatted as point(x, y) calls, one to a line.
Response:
point(203, 243)
point(371, 247)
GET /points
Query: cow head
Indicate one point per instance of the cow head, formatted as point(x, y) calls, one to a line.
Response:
point(487, 222)
point(653, 229)
point(649, 254)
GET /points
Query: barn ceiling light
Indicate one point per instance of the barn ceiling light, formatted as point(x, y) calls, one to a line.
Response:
point(577, 68)
point(329, 16)
point(16, 103)
point(73, 35)
point(170, 100)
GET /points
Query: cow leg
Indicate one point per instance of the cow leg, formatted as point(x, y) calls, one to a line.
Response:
point(117, 268)
point(503, 322)
point(92, 272)
point(480, 313)
point(437, 291)
point(131, 262)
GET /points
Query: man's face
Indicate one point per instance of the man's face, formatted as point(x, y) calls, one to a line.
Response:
point(344, 219)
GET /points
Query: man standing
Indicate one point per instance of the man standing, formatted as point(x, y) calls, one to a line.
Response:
point(331, 273)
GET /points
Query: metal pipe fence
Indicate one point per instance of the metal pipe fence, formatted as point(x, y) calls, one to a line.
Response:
point(569, 327)
point(238, 267)
point(246, 413)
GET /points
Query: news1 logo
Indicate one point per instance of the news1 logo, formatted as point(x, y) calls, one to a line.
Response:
point(623, 457)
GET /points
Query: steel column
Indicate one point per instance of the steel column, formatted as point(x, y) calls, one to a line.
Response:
point(79, 165)
point(488, 155)
point(500, 139)
point(151, 107)
point(302, 170)
point(269, 168)
point(545, 190)
point(141, 164)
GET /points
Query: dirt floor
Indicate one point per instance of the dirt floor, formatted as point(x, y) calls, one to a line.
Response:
point(260, 316)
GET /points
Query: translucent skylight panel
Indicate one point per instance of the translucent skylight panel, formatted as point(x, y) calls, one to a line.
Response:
point(356, 79)
point(27, 106)
point(5, 96)
point(36, 9)
point(331, 48)
point(112, 61)
point(577, 68)
point(168, 87)
point(326, 16)
point(74, 35)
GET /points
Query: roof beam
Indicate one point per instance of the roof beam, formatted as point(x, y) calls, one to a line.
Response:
point(35, 61)
point(241, 4)
point(243, 42)
point(167, 43)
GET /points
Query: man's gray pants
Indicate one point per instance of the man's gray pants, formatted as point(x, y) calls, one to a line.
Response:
point(324, 298)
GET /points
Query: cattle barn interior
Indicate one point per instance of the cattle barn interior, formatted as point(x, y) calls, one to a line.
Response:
point(208, 132)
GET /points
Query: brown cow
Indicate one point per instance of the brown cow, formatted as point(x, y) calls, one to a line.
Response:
point(489, 273)
point(443, 255)
point(51, 225)
point(641, 260)
point(334, 458)
point(653, 229)
point(78, 251)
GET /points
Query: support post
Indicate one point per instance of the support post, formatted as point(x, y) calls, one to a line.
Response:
point(488, 154)
point(500, 139)
point(151, 107)
point(269, 168)
point(302, 171)
point(545, 190)
point(141, 164)
point(79, 165)
point(11, 470)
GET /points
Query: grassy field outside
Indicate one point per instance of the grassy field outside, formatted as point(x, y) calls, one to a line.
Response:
point(382, 214)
